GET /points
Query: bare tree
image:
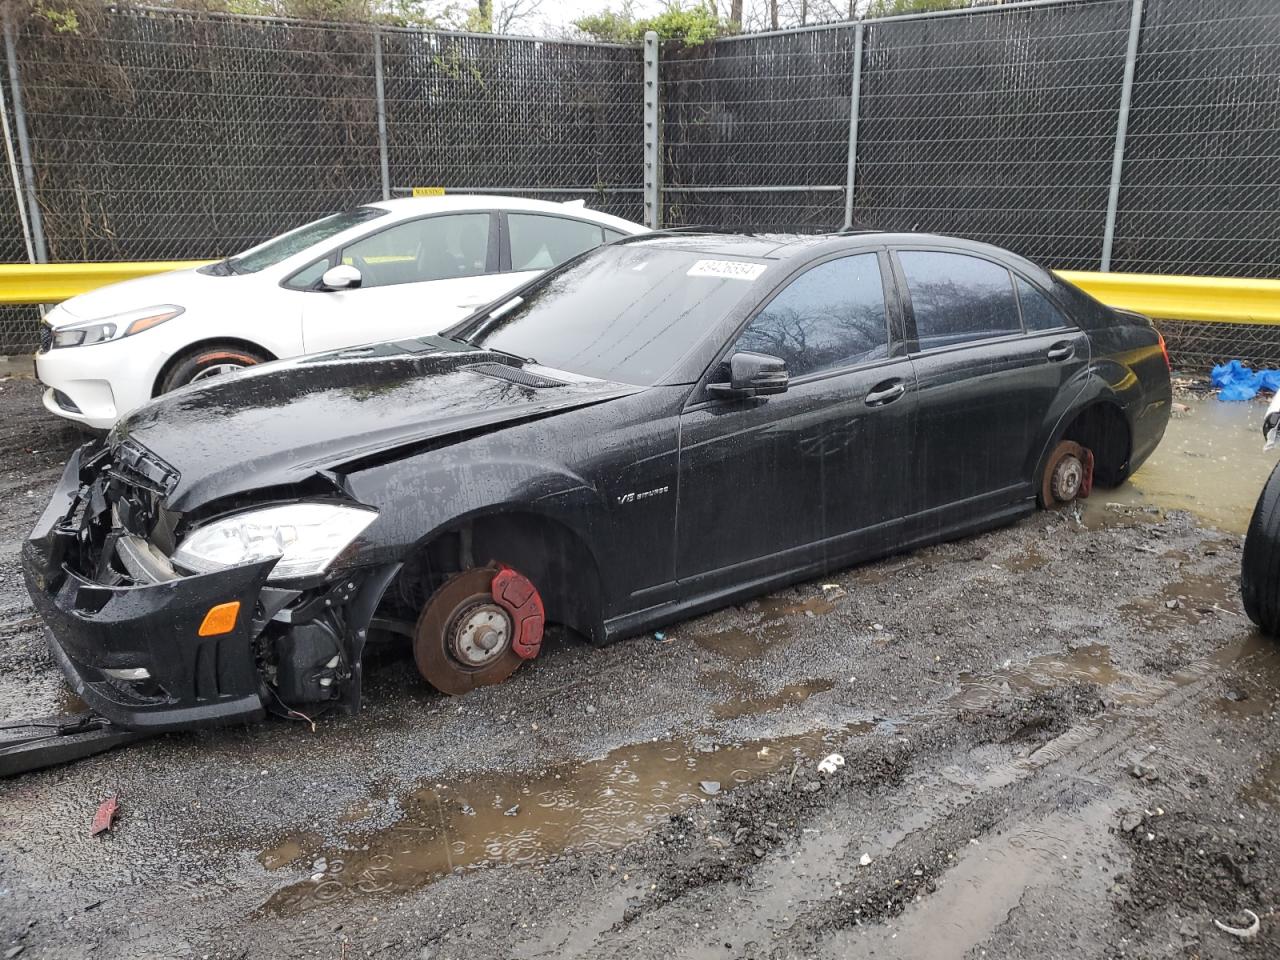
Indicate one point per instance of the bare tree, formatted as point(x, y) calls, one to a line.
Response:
point(514, 15)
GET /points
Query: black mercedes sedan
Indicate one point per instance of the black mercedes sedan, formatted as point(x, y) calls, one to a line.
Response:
point(664, 425)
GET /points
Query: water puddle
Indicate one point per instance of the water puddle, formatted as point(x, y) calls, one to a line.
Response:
point(1264, 790)
point(1189, 600)
point(771, 631)
point(283, 854)
point(1065, 851)
point(496, 818)
point(1091, 664)
point(1210, 463)
point(755, 705)
point(1253, 682)
point(1033, 559)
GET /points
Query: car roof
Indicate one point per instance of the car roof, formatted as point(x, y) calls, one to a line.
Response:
point(408, 207)
point(784, 246)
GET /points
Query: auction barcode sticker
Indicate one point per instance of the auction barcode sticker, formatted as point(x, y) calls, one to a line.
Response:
point(728, 269)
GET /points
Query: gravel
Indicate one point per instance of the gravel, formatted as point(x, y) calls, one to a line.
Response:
point(991, 699)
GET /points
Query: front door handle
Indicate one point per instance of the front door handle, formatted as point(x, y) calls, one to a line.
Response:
point(886, 392)
point(1061, 351)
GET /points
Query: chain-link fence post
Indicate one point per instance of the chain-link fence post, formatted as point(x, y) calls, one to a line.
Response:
point(1122, 129)
point(379, 86)
point(18, 202)
point(24, 145)
point(850, 176)
point(652, 136)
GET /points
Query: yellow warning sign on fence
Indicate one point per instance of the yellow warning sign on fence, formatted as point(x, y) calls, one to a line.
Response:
point(428, 191)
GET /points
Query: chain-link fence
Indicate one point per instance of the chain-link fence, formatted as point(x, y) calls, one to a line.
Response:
point(551, 120)
point(162, 134)
point(1200, 189)
point(756, 131)
point(166, 135)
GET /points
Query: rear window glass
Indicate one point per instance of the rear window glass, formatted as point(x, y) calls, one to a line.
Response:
point(957, 298)
point(540, 243)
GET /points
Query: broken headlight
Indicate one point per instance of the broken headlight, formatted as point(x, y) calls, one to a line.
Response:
point(307, 537)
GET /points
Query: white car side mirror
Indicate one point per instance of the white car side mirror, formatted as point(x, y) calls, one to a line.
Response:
point(342, 277)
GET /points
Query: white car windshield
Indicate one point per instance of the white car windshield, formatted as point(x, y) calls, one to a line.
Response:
point(283, 247)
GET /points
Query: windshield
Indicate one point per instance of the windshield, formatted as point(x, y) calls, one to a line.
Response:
point(283, 247)
point(624, 313)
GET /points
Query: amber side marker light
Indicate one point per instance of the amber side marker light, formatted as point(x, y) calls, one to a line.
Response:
point(220, 619)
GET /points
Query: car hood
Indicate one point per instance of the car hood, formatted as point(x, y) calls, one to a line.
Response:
point(181, 287)
point(286, 422)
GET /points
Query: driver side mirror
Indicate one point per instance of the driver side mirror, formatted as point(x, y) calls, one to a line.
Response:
point(751, 375)
point(342, 277)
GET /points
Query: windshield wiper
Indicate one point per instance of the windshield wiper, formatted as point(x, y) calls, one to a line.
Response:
point(496, 314)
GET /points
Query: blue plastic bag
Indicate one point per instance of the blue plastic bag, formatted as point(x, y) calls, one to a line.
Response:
point(1236, 381)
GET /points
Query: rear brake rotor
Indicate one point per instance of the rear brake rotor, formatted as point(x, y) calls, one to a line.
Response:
point(1068, 474)
point(463, 638)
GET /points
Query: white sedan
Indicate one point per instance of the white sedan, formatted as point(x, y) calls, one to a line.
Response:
point(398, 268)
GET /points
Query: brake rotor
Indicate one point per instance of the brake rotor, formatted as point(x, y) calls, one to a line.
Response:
point(1068, 474)
point(463, 639)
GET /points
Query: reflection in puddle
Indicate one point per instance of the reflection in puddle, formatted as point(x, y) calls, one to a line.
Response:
point(1210, 463)
point(520, 818)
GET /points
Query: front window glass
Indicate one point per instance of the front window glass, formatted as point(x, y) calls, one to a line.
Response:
point(957, 298)
point(437, 248)
point(285, 246)
point(625, 313)
point(829, 317)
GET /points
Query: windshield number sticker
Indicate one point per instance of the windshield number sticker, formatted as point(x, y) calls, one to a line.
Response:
point(726, 269)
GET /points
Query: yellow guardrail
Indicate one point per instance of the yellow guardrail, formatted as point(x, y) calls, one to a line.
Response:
point(1224, 299)
point(53, 282)
point(1221, 299)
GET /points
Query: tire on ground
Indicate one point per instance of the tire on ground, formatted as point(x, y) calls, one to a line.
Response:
point(192, 363)
point(1260, 563)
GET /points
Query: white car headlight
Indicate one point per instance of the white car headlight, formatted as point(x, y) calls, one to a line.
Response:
point(114, 327)
point(307, 537)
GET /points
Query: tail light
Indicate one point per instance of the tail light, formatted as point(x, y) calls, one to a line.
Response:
point(1165, 350)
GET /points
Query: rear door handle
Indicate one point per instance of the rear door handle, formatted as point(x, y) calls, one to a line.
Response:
point(886, 392)
point(1061, 351)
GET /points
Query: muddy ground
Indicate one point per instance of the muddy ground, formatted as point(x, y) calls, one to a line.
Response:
point(1059, 740)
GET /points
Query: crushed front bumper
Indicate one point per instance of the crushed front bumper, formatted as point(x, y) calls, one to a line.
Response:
point(191, 681)
point(125, 626)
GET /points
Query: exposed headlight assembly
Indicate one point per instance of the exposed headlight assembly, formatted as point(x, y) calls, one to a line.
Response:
point(114, 327)
point(307, 537)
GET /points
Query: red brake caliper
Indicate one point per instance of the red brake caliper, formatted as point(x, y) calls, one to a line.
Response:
point(1086, 484)
point(519, 597)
